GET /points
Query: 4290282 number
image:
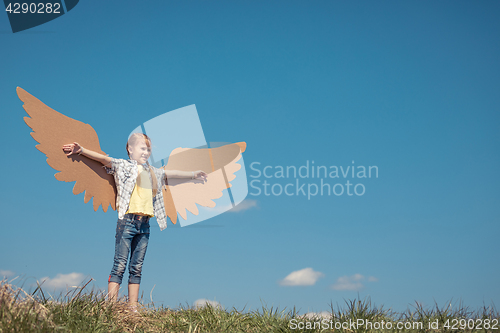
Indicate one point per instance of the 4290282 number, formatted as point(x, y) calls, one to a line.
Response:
point(478, 324)
point(33, 8)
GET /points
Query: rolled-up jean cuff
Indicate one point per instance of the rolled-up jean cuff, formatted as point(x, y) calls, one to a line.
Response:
point(115, 278)
point(134, 280)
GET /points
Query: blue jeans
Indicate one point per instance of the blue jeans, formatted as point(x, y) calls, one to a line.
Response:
point(132, 237)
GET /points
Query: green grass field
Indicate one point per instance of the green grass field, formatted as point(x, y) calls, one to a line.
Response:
point(83, 310)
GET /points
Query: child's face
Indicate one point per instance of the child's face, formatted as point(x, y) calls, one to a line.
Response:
point(140, 152)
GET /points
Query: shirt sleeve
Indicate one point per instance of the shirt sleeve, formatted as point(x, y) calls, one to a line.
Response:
point(116, 164)
point(163, 177)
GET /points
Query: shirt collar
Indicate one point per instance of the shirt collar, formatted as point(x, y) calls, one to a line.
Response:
point(145, 165)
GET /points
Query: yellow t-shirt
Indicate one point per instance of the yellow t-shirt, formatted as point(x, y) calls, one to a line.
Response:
point(141, 201)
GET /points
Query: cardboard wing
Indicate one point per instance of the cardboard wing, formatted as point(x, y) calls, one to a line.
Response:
point(183, 194)
point(52, 130)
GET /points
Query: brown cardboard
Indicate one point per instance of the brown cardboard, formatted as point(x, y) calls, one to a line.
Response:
point(183, 194)
point(52, 130)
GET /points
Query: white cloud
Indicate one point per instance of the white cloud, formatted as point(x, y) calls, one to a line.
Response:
point(353, 282)
point(349, 282)
point(200, 303)
point(70, 280)
point(303, 277)
point(244, 205)
point(6, 273)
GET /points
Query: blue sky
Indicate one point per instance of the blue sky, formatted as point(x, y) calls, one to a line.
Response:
point(409, 87)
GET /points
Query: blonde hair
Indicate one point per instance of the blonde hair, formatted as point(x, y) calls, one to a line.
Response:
point(136, 138)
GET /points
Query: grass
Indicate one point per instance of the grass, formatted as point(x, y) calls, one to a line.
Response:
point(82, 310)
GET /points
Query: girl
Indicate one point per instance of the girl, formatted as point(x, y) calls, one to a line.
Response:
point(139, 197)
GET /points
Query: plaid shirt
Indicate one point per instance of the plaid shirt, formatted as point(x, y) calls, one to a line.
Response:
point(125, 173)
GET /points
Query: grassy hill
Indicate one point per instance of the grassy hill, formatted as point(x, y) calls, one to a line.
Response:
point(82, 310)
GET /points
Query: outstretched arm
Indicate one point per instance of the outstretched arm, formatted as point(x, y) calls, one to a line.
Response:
point(75, 148)
point(199, 174)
